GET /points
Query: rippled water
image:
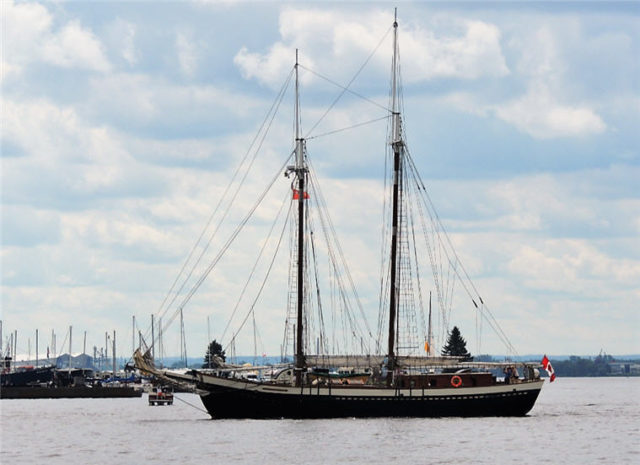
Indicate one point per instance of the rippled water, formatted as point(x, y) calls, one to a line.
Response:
point(575, 421)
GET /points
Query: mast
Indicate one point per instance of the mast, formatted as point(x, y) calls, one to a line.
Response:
point(153, 340)
point(181, 337)
point(70, 331)
point(106, 351)
point(160, 343)
point(133, 334)
point(255, 341)
point(10, 352)
point(183, 340)
point(300, 171)
point(396, 144)
point(12, 349)
point(114, 354)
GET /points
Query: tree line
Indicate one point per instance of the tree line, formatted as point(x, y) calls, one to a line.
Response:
point(457, 346)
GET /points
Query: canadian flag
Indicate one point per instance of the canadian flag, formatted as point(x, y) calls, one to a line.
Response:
point(546, 364)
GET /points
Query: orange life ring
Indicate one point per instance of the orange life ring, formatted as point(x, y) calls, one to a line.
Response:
point(456, 381)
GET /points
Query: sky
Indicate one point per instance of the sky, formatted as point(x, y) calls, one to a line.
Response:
point(123, 122)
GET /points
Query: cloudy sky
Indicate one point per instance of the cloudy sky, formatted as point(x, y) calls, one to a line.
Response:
point(123, 122)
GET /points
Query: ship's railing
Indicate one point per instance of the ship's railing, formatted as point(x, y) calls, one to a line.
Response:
point(410, 362)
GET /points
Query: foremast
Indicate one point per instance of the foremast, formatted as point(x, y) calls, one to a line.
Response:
point(397, 146)
point(300, 170)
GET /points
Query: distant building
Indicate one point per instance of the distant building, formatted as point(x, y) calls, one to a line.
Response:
point(625, 368)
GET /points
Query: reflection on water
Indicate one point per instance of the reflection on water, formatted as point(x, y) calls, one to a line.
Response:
point(575, 421)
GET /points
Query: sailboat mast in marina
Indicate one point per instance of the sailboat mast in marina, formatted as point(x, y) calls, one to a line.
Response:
point(399, 381)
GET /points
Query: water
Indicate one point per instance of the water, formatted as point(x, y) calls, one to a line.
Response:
point(575, 421)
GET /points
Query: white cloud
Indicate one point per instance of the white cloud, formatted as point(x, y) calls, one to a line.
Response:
point(66, 160)
point(30, 36)
point(74, 47)
point(270, 68)
point(149, 99)
point(22, 28)
point(544, 110)
point(329, 38)
point(473, 52)
point(27, 227)
point(121, 37)
point(55, 134)
point(579, 204)
point(540, 115)
point(542, 61)
point(128, 48)
point(573, 266)
point(187, 54)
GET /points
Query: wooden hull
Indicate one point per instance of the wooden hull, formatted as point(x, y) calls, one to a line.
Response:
point(230, 398)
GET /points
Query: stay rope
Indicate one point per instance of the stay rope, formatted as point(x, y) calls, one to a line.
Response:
point(255, 265)
point(263, 129)
point(264, 282)
point(346, 88)
point(191, 405)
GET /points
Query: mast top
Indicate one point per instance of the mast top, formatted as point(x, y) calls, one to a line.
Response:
point(394, 85)
point(299, 141)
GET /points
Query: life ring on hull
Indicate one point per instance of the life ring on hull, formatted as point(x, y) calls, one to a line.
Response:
point(456, 381)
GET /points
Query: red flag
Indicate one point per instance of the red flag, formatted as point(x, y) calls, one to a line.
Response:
point(296, 194)
point(546, 364)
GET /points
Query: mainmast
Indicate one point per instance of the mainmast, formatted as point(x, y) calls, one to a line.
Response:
point(397, 145)
point(301, 172)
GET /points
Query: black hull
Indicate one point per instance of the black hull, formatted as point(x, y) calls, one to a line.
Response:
point(225, 402)
point(67, 392)
point(27, 377)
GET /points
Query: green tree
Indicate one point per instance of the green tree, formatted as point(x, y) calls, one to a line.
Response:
point(456, 345)
point(213, 350)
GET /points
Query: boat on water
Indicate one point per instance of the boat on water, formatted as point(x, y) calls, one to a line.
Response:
point(26, 375)
point(162, 395)
point(399, 381)
point(50, 382)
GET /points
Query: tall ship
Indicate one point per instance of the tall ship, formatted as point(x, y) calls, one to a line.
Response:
point(396, 375)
